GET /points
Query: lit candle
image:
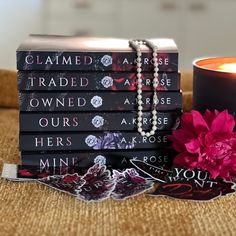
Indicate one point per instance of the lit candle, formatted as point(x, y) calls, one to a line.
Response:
point(230, 67)
point(214, 84)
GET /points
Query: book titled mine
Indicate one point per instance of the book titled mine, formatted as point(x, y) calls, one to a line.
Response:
point(99, 101)
point(125, 121)
point(110, 158)
point(89, 81)
point(43, 52)
point(92, 141)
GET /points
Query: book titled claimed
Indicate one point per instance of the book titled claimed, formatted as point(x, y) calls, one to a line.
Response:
point(44, 52)
point(125, 121)
point(99, 101)
point(93, 81)
point(92, 141)
point(110, 158)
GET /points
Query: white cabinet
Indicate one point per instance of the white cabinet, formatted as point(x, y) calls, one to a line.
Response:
point(18, 19)
point(87, 17)
point(200, 27)
point(210, 29)
point(152, 18)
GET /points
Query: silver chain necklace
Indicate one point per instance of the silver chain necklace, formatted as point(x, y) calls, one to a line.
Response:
point(136, 45)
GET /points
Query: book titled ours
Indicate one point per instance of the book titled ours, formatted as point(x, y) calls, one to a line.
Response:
point(79, 99)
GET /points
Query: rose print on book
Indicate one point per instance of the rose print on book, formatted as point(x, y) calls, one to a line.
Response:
point(107, 82)
point(98, 121)
point(106, 60)
point(110, 140)
point(96, 101)
point(91, 140)
point(100, 160)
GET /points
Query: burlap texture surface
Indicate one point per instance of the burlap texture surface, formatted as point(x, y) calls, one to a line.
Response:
point(34, 209)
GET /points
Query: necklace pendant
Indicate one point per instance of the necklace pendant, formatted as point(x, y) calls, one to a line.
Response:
point(155, 99)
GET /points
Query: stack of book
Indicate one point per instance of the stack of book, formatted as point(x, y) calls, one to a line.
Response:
point(78, 102)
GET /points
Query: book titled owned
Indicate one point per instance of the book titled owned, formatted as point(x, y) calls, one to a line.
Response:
point(99, 101)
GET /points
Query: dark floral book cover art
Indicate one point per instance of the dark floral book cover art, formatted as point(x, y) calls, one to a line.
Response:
point(92, 81)
point(111, 158)
point(99, 101)
point(125, 121)
point(42, 52)
point(92, 141)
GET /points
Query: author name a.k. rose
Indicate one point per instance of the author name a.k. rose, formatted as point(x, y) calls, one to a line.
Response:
point(83, 82)
point(95, 101)
point(74, 121)
point(58, 141)
point(83, 60)
point(91, 121)
point(73, 161)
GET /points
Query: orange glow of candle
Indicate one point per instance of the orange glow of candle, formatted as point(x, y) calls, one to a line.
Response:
point(214, 84)
point(229, 67)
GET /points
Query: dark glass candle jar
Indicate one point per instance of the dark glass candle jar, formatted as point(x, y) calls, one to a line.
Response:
point(214, 84)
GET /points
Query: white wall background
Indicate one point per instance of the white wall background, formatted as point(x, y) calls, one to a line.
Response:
point(18, 18)
point(201, 28)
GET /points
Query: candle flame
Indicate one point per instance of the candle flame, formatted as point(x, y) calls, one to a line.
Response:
point(230, 67)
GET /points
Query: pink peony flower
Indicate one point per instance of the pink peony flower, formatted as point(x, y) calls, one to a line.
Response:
point(207, 142)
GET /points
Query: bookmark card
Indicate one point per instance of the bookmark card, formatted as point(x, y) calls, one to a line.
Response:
point(92, 185)
point(99, 183)
point(182, 183)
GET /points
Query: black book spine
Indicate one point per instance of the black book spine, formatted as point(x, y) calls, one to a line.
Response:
point(125, 121)
point(92, 141)
point(112, 159)
point(100, 101)
point(92, 61)
point(92, 81)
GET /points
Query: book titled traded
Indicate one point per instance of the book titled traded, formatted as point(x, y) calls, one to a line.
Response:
point(93, 81)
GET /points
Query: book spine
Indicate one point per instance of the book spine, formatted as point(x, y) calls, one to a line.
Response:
point(112, 159)
point(93, 61)
point(100, 101)
point(92, 141)
point(91, 81)
point(125, 121)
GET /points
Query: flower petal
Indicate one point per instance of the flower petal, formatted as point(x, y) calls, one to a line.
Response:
point(180, 159)
point(187, 121)
point(179, 147)
point(208, 117)
point(199, 123)
point(193, 146)
point(183, 136)
point(223, 123)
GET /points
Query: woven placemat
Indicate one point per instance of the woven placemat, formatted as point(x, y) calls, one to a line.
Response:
point(8, 89)
point(34, 209)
